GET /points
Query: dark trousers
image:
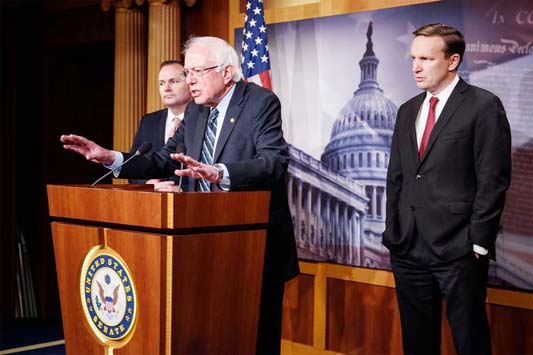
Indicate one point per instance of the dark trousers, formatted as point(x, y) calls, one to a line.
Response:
point(421, 283)
point(269, 328)
point(272, 290)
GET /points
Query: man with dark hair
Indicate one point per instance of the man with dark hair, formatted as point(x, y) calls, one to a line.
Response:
point(157, 127)
point(449, 170)
point(234, 140)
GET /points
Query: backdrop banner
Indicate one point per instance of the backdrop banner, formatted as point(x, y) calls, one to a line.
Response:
point(341, 79)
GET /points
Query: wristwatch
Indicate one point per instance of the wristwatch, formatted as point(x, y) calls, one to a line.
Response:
point(220, 170)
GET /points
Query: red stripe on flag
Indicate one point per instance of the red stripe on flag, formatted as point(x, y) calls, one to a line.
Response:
point(265, 79)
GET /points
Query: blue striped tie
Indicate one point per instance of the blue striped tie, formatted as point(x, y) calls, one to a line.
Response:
point(208, 146)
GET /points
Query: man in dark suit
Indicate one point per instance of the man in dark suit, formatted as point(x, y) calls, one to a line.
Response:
point(449, 170)
point(234, 140)
point(157, 127)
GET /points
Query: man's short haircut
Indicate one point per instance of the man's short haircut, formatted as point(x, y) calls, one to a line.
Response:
point(219, 51)
point(170, 62)
point(454, 42)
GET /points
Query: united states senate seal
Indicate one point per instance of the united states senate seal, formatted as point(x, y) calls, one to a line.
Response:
point(108, 296)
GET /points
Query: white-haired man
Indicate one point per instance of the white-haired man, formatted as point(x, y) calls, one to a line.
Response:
point(233, 135)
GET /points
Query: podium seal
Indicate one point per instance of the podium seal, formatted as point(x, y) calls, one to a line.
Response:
point(108, 297)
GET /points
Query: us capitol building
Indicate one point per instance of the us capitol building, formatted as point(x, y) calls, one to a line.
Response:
point(338, 203)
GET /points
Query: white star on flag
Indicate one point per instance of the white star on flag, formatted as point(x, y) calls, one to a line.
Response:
point(255, 56)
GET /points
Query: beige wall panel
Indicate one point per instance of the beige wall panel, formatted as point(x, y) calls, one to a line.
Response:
point(130, 75)
point(164, 43)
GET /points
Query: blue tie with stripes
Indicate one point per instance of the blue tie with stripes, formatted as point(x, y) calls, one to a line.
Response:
point(208, 146)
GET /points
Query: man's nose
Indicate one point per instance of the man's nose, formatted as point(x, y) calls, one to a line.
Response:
point(189, 79)
point(416, 66)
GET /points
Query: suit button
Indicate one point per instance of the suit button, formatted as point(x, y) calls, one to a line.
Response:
point(412, 208)
point(419, 177)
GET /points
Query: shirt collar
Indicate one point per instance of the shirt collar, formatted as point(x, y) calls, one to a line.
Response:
point(223, 105)
point(444, 95)
point(170, 115)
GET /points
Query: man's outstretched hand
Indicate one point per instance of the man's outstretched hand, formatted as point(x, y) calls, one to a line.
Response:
point(195, 169)
point(90, 150)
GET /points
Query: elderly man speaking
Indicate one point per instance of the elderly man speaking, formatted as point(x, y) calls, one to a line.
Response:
point(233, 136)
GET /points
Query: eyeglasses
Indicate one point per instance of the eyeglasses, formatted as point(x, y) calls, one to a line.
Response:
point(197, 72)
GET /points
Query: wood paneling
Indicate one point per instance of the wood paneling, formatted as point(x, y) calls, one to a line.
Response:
point(206, 18)
point(298, 310)
point(214, 297)
point(511, 298)
point(197, 293)
point(145, 255)
point(167, 210)
point(362, 314)
point(68, 278)
point(216, 292)
point(69, 202)
point(292, 348)
point(362, 318)
point(293, 10)
point(511, 330)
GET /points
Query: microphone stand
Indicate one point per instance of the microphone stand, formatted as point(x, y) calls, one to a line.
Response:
point(118, 167)
point(181, 149)
point(181, 178)
point(144, 148)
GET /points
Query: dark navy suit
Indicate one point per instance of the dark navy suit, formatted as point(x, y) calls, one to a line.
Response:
point(252, 147)
point(438, 207)
point(152, 129)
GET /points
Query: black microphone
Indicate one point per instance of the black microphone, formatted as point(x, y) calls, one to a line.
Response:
point(143, 149)
point(181, 149)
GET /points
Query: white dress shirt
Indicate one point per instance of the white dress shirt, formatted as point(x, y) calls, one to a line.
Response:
point(443, 97)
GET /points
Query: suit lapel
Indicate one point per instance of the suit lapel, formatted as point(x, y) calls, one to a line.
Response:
point(199, 132)
point(413, 115)
point(230, 120)
point(453, 103)
point(161, 126)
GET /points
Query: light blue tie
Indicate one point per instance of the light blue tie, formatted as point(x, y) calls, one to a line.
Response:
point(208, 146)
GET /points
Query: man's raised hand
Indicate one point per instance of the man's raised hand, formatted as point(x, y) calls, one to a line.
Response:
point(90, 150)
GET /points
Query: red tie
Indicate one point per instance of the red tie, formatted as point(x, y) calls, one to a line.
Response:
point(430, 123)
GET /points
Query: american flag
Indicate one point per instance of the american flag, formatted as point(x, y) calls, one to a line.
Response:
point(255, 57)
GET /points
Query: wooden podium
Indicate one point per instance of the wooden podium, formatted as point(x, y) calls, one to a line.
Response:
point(196, 260)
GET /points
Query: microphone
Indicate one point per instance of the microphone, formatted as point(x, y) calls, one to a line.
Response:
point(181, 149)
point(143, 149)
